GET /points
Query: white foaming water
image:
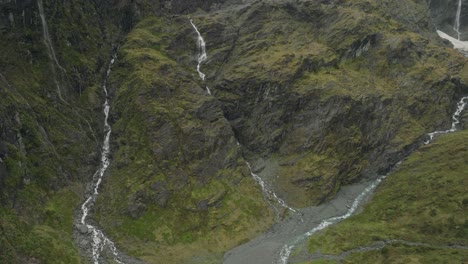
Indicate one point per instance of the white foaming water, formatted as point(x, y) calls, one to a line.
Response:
point(268, 193)
point(455, 121)
point(100, 241)
point(202, 56)
point(202, 51)
point(50, 48)
point(45, 33)
point(457, 42)
point(457, 19)
point(286, 250)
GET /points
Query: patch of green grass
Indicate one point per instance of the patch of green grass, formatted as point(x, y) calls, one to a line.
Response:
point(50, 240)
point(170, 138)
point(421, 202)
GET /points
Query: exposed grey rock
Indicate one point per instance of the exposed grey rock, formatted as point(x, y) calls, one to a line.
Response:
point(82, 228)
point(443, 13)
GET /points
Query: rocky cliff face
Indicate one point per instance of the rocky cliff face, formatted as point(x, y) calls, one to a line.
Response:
point(317, 93)
point(291, 80)
point(49, 123)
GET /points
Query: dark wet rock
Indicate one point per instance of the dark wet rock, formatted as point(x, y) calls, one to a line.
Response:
point(82, 228)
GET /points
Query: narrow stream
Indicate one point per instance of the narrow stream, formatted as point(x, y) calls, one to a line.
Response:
point(50, 49)
point(267, 192)
point(99, 241)
point(457, 42)
point(457, 20)
point(287, 249)
point(347, 201)
point(202, 56)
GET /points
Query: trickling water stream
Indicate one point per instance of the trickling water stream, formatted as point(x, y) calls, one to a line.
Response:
point(269, 195)
point(287, 249)
point(50, 49)
point(99, 241)
point(202, 56)
point(457, 42)
point(457, 20)
point(455, 121)
point(55, 63)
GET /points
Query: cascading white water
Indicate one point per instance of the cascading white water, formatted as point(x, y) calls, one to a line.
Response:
point(50, 48)
point(202, 56)
point(45, 33)
point(455, 121)
point(457, 20)
point(269, 194)
point(287, 249)
point(457, 42)
point(99, 240)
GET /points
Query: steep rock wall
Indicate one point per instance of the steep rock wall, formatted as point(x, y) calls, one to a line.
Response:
point(443, 14)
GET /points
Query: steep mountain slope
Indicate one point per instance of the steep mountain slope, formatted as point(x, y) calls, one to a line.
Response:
point(418, 212)
point(176, 162)
point(328, 92)
point(49, 106)
point(315, 94)
point(319, 94)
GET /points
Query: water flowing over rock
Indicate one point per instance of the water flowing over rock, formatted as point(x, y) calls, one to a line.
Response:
point(270, 195)
point(99, 241)
point(451, 17)
point(202, 56)
point(320, 97)
point(51, 50)
point(287, 249)
point(457, 41)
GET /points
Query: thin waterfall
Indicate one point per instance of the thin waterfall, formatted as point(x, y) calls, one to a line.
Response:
point(455, 121)
point(99, 240)
point(269, 195)
point(457, 20)
point(202, 56)
point(50, 49)
point(286, 250)
point(457, 41)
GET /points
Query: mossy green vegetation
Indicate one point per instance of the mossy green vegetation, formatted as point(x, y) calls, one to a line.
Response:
point(329, 91)
point(40, 232)
point(423, 201)
point(178, 189)
point(48, 146)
